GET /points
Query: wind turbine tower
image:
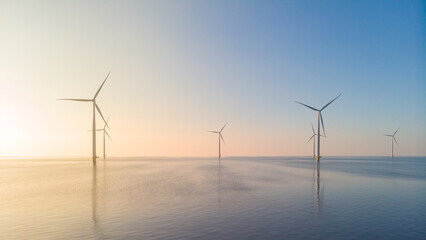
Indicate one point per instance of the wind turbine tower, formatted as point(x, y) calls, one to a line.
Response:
point(104, 131)
point(313, 140)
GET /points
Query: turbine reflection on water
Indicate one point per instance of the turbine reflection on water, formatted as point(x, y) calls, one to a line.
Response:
point(97, 230)
point(219, 183)
point(241, 198)
point(318, 187)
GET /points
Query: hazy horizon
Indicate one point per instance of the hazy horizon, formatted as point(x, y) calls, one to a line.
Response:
point(29, 157)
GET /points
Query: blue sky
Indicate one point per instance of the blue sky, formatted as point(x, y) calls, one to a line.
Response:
point(182, 67)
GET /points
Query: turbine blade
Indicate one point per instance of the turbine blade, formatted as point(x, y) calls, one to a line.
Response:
point(387, 135)
point(396, 131)
point(213, 131)
point(307, 106)
point(310, 139)
point(223, 127)
point(99, 110)
point(395, 140)
point(106, 124)
point(322, 123)
point(74, 99)
point(313, 128)
point(101, 86)
point(108, 135)
point(223, 140)
point(330, 102)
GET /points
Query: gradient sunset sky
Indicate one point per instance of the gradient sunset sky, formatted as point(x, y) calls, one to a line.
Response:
point(180, 68)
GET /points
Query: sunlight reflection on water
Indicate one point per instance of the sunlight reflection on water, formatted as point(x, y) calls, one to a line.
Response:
point(171, 198)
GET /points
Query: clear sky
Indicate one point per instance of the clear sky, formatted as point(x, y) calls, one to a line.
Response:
point(180, 68)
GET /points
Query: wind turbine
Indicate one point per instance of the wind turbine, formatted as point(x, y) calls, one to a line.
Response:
point(319, 119)
point(393, 139)
point(95, 106)
point(313, 137)
point(220, 136)
point(105, 132)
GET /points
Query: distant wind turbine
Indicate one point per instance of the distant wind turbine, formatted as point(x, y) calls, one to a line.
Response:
point(313, 141)
point(220, 136)
point(393, 139)
point(104, 131)
point(95, 106)
point(322, 122)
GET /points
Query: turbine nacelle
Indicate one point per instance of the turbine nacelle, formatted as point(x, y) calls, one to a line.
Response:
point(90, 100)
point(220, 132)
point(392, 136)
point(319, 111)
point(104, 129)
point(313, 133)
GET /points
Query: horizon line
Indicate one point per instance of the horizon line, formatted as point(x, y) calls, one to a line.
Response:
point(22, 157)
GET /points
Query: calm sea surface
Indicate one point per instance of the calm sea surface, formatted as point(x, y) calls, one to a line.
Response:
point(200, 198)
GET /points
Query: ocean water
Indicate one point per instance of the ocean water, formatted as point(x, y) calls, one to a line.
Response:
point(202, 198)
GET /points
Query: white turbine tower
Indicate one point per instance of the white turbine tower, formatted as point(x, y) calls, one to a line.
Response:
point(322, 122)
point(104, 131)
point(393, 139)
point(95, 106)
point(313, 141)
point(220, 136)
